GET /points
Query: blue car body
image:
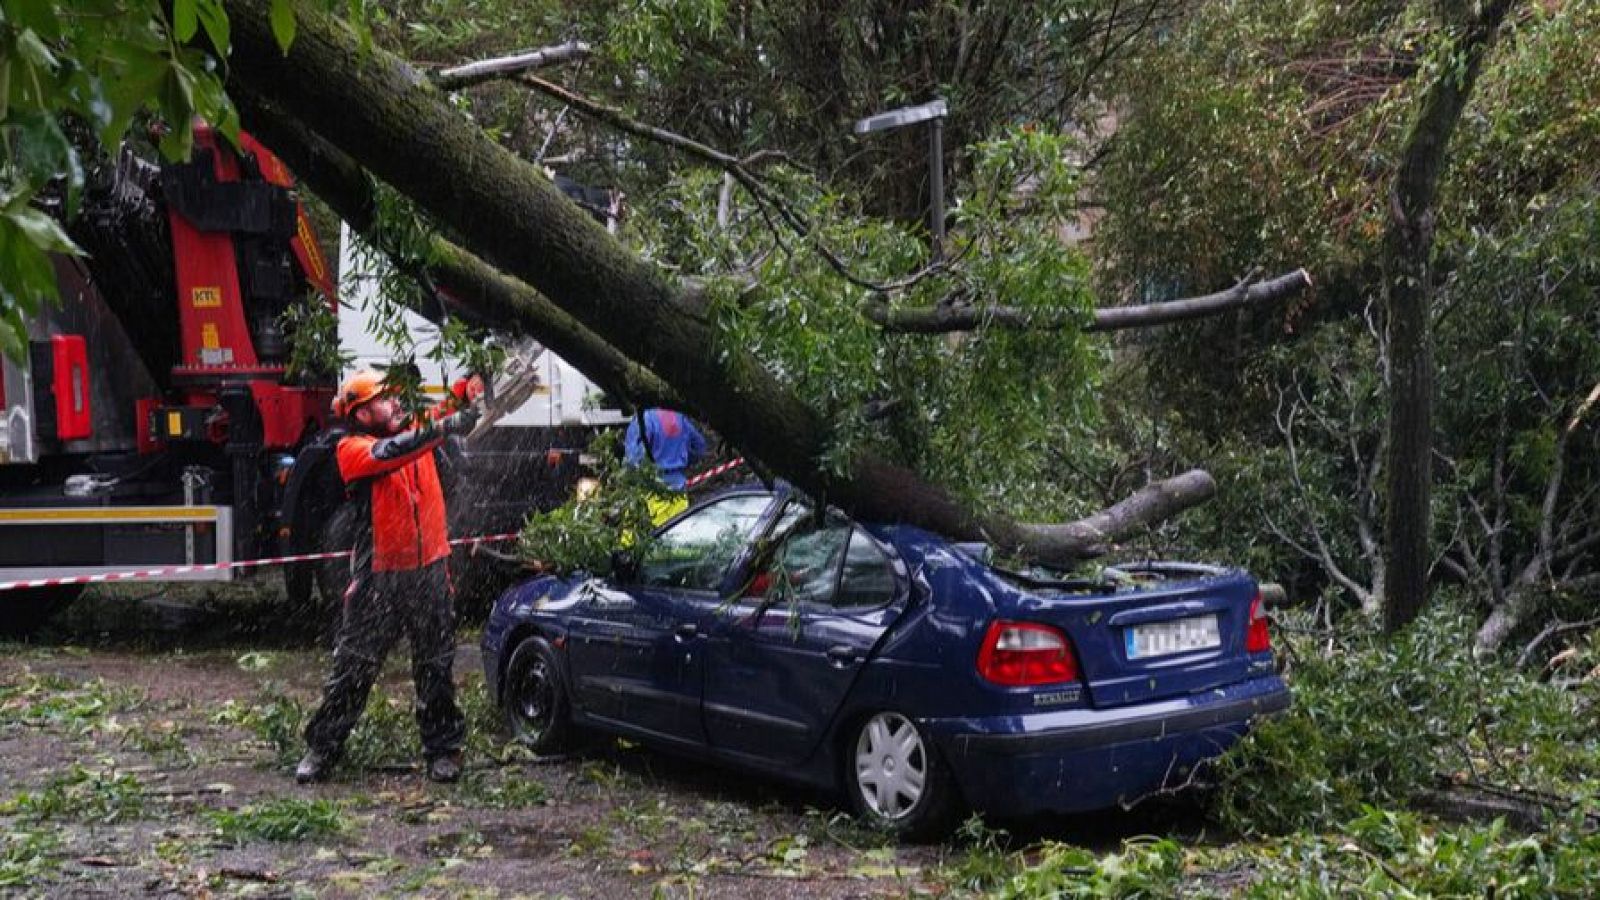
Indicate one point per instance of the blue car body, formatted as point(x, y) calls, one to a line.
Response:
point(782, 687)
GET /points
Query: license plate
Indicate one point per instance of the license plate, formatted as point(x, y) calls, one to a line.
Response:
point(1176, 636)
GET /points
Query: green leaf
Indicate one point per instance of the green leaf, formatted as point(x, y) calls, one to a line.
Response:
point(27, 276)
point(185, 20)
point(143, 73)
point(33, 50)
point(176, 98)
point(37, 15)
point(42, 231)
point(282, 18)
point(45, 153)
point(13, 334)
point(215, 21)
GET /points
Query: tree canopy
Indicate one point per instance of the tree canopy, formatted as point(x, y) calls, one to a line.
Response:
point(774, 275)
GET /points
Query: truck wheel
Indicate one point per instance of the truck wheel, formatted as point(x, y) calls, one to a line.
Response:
point(299, 582)
point(333, 575)
point(26, 610)
point(896, 780)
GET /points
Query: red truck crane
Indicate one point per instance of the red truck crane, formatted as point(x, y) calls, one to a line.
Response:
point(155, 427)
point(154, 421)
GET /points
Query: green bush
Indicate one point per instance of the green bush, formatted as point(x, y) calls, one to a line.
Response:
point(1378, 720)
point(1383, 854)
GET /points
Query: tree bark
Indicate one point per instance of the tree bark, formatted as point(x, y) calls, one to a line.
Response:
point(374, 108)
point(480, 290)
point(1152, 503)
point(1408, 290)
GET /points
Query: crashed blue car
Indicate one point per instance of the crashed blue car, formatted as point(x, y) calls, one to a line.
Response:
point(890, 664)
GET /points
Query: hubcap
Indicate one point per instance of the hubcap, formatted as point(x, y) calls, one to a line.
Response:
point(535, 696)
point(891, 765)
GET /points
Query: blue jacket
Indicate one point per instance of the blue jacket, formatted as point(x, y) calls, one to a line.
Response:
point(675, 444)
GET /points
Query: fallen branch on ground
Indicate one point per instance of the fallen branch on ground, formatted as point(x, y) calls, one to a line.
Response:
point(1476, 802)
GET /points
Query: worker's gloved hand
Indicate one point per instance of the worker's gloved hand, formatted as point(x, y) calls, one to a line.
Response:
point(405, 443)
point(461, 422)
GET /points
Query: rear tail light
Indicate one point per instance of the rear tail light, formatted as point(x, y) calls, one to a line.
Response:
point(1256, 639)
point(1024, 654)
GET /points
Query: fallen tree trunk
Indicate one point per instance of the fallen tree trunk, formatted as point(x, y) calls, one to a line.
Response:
point(372, 107)
point(479, 289)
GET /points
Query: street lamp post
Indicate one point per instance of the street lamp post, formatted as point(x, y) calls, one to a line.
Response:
point(932, 112)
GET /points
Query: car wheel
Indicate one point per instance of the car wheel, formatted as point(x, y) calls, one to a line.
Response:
point(535, 698)
point(897, 781)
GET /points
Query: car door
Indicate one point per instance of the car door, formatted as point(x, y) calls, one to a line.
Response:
point(634, 640)
point(781, 658)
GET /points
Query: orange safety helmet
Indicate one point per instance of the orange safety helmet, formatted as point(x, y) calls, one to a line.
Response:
point(362, 386)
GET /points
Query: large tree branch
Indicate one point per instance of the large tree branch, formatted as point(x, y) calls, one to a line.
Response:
point(1422, 157)
point(967, 317)
point(458, 77)
point(474, 287)
point(1240, 295)
point(1155, 502)
point(366, 103)
point(945, 317)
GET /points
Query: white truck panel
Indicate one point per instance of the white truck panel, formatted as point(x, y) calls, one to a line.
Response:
point(565, 396)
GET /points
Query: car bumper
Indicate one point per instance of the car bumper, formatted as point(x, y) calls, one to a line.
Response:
point(1083, 759)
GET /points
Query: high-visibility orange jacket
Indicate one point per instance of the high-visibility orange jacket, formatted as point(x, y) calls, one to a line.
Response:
point(401, 484)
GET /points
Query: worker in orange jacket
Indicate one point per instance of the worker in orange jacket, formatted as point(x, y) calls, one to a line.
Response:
point(400, 581)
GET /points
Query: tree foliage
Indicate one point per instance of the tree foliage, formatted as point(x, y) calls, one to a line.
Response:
point(977, 415)
point(1267, 132)
point(96, 65)
point(748, 75)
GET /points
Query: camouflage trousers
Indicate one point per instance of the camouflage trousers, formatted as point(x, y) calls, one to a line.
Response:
point(378, 608)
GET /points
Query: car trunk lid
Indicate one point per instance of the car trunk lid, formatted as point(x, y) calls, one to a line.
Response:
point(1149, 632)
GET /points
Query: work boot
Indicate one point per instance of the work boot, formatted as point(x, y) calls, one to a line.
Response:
point(445, 769)
point(316, 766)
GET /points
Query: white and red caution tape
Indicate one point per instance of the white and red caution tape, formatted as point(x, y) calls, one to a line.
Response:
point(285, 560)
point(214, 567)
point(713, 472)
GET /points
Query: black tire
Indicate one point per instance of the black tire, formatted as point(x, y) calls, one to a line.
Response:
point(877, 777)
point(299, 580)
point(534, 698)
point(26, 610)
point(338, 532)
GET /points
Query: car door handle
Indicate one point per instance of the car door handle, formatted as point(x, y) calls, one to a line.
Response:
point(842, 656)
point(686, 631)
